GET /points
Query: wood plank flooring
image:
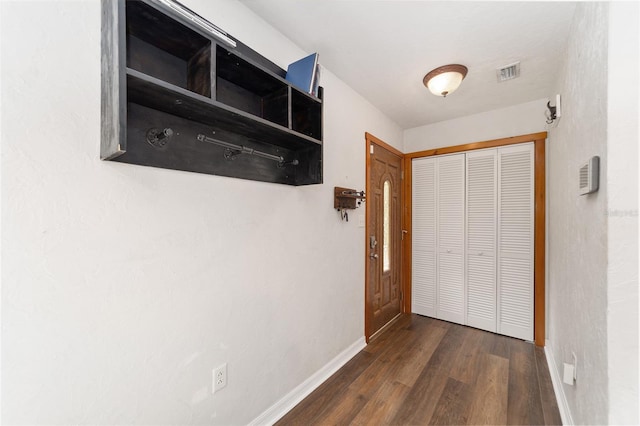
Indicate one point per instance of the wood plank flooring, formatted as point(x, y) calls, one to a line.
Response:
point(425, 371)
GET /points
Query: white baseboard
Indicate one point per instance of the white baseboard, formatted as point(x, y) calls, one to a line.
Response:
point(283, 406)
point(556, 379)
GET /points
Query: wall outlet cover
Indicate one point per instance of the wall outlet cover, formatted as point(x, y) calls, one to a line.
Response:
point(568, 374)
point(219, 378)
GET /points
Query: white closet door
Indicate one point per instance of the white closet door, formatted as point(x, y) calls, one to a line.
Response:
point(423, 253)
point(482, 170)
point(450, 183)
point(515, 241)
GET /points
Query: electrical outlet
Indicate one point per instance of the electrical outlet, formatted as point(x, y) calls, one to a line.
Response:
point(219, 378)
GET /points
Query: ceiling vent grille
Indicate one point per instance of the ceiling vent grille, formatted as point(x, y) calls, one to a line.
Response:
point(508, 72)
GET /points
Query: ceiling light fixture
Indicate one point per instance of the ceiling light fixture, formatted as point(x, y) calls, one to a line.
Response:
point(444, 80)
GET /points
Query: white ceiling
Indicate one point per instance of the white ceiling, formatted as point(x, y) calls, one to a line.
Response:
point(383, 49)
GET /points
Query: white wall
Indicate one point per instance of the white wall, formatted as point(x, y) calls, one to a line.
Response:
point(622, 211)
point(122, 285)
point(577, 231)
point(515, 120)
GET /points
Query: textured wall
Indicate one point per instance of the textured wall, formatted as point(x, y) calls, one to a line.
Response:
point(122, 285)
point(577, 258)
point(622, 211)
point(515, 120)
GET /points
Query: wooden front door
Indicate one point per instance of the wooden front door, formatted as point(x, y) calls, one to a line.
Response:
point(384, 235)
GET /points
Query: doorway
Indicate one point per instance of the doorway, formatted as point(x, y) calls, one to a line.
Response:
point(384, 234)
point(538, 140)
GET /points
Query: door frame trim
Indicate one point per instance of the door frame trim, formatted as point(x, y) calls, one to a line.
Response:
point(539, 319)
point(371, 139)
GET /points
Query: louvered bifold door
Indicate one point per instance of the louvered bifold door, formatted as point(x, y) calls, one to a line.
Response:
point(450, 191)
point(481, 239)
point(423, 253)
point(515, 241)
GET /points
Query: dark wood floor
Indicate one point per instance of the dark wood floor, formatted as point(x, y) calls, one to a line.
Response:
point(425, 371)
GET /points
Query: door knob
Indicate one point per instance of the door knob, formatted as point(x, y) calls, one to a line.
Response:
point(373, 256)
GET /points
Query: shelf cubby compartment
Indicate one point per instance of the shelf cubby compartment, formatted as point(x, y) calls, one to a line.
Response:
point(247, 87)
point(161, 47)
point(306, 112)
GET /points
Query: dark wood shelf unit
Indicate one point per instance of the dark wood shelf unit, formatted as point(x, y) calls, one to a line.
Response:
point(161, 71)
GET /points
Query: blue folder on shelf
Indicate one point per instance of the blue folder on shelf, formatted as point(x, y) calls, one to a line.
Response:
point(303, 73)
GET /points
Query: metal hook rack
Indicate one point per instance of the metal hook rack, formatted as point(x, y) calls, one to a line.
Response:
point(347, 198)
point(233, 150)
point(355, 194)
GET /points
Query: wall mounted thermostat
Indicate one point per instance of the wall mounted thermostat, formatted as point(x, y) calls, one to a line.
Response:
point(590, 176)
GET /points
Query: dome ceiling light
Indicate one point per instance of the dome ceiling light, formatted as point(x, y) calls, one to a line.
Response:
point(444, 80)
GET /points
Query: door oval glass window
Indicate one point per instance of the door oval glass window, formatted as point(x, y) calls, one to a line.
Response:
point(386, 226)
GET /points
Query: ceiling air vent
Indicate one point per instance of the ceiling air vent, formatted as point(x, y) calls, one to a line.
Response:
point(508, 72)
